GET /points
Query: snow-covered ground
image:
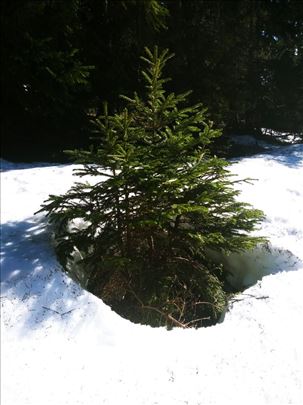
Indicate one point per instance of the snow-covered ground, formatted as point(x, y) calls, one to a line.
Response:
point(61, 345)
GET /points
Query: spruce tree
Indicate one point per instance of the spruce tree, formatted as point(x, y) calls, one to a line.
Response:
point(157, 203)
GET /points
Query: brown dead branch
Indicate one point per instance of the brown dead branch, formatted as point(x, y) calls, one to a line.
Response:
point(168, 317)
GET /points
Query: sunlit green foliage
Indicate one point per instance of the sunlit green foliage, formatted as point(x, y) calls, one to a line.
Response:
point(158, 201)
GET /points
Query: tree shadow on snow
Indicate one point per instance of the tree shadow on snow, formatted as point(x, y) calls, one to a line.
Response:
point(31, 274)
point(6, 166)
point(290, 156)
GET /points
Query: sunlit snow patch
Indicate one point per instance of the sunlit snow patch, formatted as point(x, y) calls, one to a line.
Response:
point(61, 345)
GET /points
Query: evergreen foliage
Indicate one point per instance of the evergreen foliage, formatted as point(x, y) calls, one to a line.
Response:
point(59, 58)
point(44, 81)
point(158, 201)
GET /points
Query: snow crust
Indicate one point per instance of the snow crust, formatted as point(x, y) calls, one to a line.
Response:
point(61, 345)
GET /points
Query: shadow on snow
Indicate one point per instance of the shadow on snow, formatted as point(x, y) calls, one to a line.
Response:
point(290, 156)
point(31, 274)
point(6, 166)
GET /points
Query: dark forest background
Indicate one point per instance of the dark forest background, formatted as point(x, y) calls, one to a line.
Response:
point(60, 59)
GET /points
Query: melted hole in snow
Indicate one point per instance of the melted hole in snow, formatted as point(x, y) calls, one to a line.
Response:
point(248, 267)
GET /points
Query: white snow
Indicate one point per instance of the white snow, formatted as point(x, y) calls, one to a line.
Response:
point(61, 345)
point(286, 137)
